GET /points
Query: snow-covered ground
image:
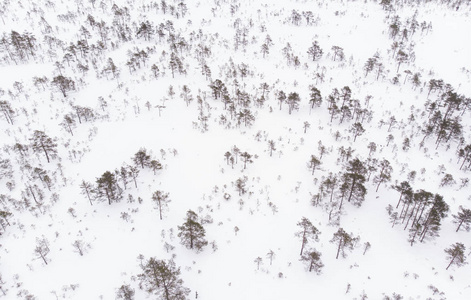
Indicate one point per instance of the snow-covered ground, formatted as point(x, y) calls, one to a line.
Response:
point(195, 173)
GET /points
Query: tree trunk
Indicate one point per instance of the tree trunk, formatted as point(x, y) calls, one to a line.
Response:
point(400, 198)
point(379, 184)
point(338, 249)
point(43, 257)
point(304, 242)
point(459, 226)
point(452, 260)
point(160, 209)
point(351, 190)
point(45, 152)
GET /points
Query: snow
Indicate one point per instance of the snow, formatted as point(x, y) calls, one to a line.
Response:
point(197, 176)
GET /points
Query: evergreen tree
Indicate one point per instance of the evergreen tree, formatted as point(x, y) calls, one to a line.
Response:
point(313, 260)
point(271, 255)
point(329, 185)
point(463, 218)
point(87, 189)
point(63, 84)
point(8, 112)
point(456, 255)
point(314, 163)
point(246, 157)
point(403, 188)
point(293, 102)
point(308, 231)
point(192, 232)
point(281, 97)
point(338, 53)
point(315, 97)
point(42, 249)
point(161, 199)
point(125, 292)
point(401, 58)
point(141, 158)
point(345, 241)
point(162, 279)
point(431, 226)
point(68, 123)
point(240, 185)
point(357, 130)
point(384, 174)
point(353, 179)
point(41, 142)
point(155, 165)
point(107, 188)
point(315, 52)
point(271, 146)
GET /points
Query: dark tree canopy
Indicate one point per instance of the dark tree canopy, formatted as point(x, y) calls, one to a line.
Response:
point(192, 233)
point(161, 278)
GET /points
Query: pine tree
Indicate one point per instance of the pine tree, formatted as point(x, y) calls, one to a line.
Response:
point(240, 185)
point(63, 84)
point(107, 188)
point(329, 185)
point(293, 101)
point(345, 242)
point(456, 255)
point(155, 165)
point(338, 53)
point(246, 157)
point(192, 232)
point(313, 260)
point(41, 142)
point(308, 231)
point(401, 58)
point(125, 292)
point(463, 218)
point(384, 174)
point(87, 189)
point(314, 163)
point(271, 146)
point(271, 255)
point(281, 97)
point(68, 123)
point(161, 278)
point(315, 52)
point(357, 130)
point(141, 158)
point(8, 112)
point(403, 188)
point(315, 97)
point(42, 249)
point(354, 178)
point(431, 225)
point(161, 199)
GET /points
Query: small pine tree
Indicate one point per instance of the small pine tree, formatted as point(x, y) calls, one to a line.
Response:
point(463, 218)
point(192, 233)
point(308, 231)
point(41, 142)
point(162, 279)
point(345, 242)
point(313, 260)
point(456, 255)
point(125, 292)
point(142, 159)
point(314, 163)
point(161, 199)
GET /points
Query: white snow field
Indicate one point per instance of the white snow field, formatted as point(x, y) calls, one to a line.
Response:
point(103, 86)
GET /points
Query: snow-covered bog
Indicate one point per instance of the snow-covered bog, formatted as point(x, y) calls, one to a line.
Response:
point(235, 149)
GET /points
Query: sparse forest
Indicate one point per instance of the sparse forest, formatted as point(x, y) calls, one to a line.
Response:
point(224, 149)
